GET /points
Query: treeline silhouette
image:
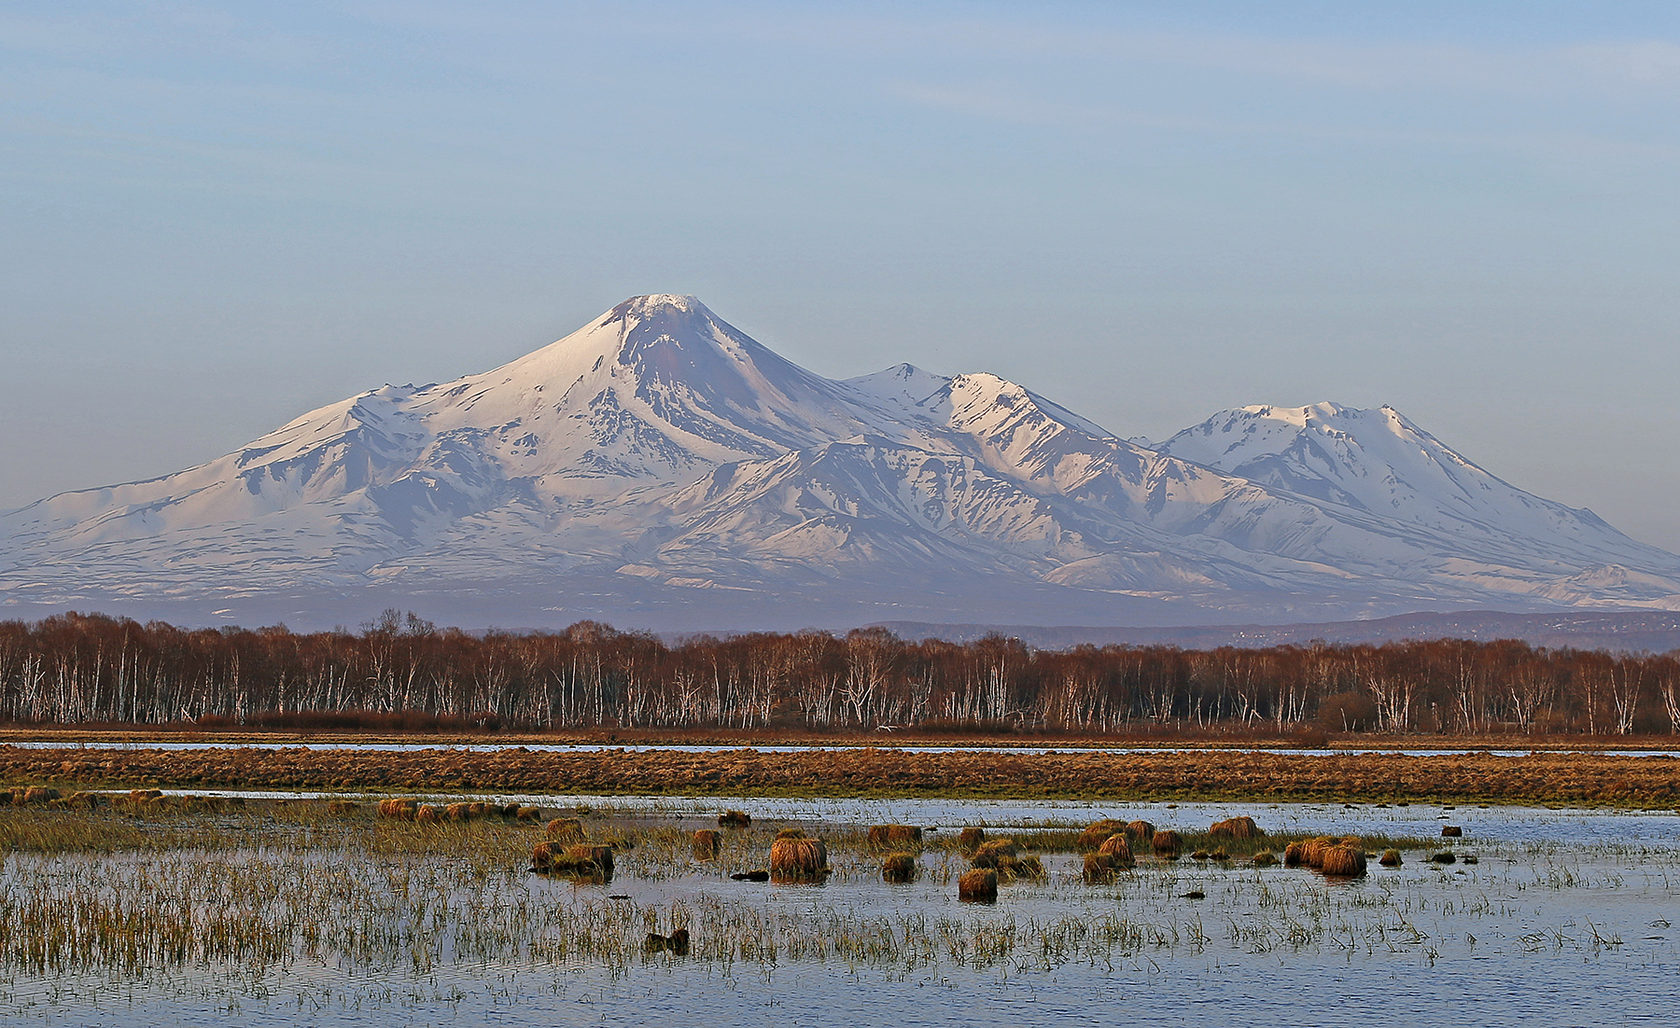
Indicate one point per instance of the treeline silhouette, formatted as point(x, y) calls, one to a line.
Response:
point(401, 673)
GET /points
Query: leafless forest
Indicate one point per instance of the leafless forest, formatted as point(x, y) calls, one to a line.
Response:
point(400, 671)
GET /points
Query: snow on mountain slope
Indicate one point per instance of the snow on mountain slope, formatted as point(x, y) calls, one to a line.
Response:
point(1379, 463)
point(659, 465)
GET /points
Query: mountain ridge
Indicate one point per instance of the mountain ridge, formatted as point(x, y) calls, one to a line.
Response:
point(659, 466)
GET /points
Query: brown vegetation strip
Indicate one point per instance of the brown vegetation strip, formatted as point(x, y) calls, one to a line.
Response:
point(1538, 778)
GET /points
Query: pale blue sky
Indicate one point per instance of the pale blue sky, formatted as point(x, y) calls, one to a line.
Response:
point(218, 216)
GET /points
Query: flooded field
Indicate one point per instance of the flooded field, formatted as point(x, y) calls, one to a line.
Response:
point(278, 910)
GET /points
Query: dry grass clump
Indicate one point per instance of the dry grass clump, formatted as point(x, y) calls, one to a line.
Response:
point(565, 829)
point(1313, 850)
point(1265, 858)
point(1118, 849)
point(1004, 857)
point(1390, 858)
point(978, 885)
point(1142, 831)
point(883, 837)
point(1236, 828)
point(796, 857)
point(1452, 832)
point(1295, 854)
point(1444, 857)
point(1166, 844)
point(522, 813)
point(992, 851)
point(1096, 833)
point(343, 807)
point(33, 796)
point(1098, 870)
point(580, 860)
point(734, 819)
point(428, 814)
point(707, 843)
point(399, 809)
point(970, 838)
point(1115, 854)
point(1343, 862)
point(899, 868)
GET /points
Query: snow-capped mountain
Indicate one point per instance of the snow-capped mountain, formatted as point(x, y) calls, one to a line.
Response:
point(658, 467)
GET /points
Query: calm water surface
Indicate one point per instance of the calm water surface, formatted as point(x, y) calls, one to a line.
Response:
point(1567, 918)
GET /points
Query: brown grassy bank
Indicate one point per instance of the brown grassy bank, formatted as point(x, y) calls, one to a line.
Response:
point(1539, 778)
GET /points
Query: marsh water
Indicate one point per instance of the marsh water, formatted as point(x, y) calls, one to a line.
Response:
point(1565, 917)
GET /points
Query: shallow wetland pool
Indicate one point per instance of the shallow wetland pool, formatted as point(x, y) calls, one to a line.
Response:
point(282, 911)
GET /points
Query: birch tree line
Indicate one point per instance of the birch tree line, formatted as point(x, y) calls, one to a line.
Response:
point(396, 670)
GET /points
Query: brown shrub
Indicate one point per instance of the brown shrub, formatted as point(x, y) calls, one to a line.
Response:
point(1235, 828)
point(898, 868)
point(978, 885)
point(707, 843)
point(796, 858)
